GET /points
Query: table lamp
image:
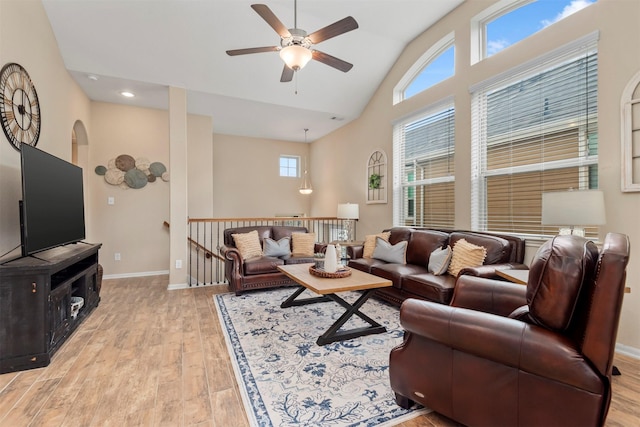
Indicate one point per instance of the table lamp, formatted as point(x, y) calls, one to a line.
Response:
point(350, 212)
point(573, 209)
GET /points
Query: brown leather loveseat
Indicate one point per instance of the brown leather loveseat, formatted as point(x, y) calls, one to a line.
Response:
point(504, 354)
point(413, 279)
point(262, 271)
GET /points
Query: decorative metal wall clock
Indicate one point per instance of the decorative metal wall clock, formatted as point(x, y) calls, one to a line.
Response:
point(19, 106)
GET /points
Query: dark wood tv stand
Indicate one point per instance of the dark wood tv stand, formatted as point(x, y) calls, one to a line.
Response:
point(35, 302)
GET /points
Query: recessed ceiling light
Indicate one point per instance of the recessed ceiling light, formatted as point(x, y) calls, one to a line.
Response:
point(127, 94)
point(92, 77)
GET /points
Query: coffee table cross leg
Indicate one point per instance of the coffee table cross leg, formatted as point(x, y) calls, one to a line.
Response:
point(293, 302)
point(334, 334)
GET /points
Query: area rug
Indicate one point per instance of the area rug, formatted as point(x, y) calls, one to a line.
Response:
point(288, 380)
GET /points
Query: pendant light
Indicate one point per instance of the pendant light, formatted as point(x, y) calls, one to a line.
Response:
point(305, 188)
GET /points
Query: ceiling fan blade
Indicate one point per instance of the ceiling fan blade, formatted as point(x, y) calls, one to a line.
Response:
point(249, 50)
point(332, 61)
point(266, 14)
point(287, 75)
point(340, 27)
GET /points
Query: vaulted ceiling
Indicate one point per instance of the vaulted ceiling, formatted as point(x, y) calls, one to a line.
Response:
point(145, 46)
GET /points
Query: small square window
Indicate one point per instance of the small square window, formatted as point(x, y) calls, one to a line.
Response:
point(289, 166)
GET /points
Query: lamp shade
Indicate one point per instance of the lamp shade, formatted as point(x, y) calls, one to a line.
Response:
point(569, 208)
point(348, 211)
point(295, 56)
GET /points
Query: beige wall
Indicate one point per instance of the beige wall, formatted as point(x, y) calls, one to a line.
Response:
point(26, 38)
point(618, 48)
point(133, 225)
point(247, 180)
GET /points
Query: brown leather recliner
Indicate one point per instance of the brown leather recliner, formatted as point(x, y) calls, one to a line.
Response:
point(504, 354)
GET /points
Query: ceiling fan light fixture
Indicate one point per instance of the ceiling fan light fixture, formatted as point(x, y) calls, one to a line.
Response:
point(295, 56)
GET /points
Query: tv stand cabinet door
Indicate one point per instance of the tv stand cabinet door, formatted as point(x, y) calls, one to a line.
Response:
point(22, 316)
point(59, 314)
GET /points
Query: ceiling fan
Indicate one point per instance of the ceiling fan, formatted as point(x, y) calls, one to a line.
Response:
point(296, 47)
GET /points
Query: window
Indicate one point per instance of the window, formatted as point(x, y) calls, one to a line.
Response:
point(289, 166)
point(424, 168)
point(510, 21)
point(435, 65)
point(534, 129)
point(441, 68)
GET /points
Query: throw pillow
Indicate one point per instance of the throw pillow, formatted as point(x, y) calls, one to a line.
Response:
point(385, 251)
point(439, 260)
point(303, 243)
point(370, 243)
point(248, 244)
point(466, 254)
point(275, 248)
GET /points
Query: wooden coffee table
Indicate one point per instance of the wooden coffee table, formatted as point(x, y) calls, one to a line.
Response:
point(327, 289)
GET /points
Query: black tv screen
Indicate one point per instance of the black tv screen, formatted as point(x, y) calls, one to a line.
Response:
point(52, 207)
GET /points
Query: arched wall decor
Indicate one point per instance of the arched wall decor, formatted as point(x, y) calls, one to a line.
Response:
point(377, 177)
point(630, 132)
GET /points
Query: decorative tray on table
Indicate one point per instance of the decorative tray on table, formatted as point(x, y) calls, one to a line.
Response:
point(319, 272)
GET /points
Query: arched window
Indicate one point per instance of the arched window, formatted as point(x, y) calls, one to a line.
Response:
point(435, 65)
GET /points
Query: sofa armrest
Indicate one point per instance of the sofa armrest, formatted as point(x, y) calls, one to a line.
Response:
point(230, 253)
point(487, 295)
point(506, 341)
point(489, 271)
point(232, 266)
point(319, 248)
point(355, 251)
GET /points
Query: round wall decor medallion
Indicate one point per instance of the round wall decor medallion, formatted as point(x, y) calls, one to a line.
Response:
point(19, 106)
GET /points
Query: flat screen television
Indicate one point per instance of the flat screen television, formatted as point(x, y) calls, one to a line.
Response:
point(52, 206)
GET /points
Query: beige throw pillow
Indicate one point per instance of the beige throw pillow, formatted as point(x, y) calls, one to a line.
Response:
point(466, 254)
point(370, 243)
point(248, 244)
point(303, 243)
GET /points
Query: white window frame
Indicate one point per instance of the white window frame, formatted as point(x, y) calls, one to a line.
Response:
point(287, 156)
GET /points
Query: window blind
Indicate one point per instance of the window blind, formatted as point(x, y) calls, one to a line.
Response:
point(534, 131)
point(424, 169)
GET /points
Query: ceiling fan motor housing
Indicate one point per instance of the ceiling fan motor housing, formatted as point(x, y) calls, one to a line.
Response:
point(298, 38)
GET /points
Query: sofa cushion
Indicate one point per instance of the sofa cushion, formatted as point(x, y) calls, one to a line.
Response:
point(466, 254)
point(303, 243)
point(429, 286)
point(422, 243)
point(395, 272)
point(385, 251)
point(262, 265)
point(248, 244)
point(498, 249)
point(280, 231)
point(263, 232)
point(370, 243)
point(275, 248)
point(365, 264)
point(439, 260)
point(558, 270)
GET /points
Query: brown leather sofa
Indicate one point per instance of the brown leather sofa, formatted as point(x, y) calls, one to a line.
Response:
point(413, 280)
point(260, 272)
point(509, 355)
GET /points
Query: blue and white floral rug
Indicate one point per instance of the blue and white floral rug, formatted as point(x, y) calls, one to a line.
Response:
point(288, 380)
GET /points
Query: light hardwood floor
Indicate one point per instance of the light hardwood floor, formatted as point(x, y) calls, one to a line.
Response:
point(152, 357)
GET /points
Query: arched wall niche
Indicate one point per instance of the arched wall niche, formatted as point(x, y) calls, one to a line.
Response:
point(630, 131)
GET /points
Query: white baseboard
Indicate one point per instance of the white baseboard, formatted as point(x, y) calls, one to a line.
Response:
point(628, 351)
point(142, 274)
